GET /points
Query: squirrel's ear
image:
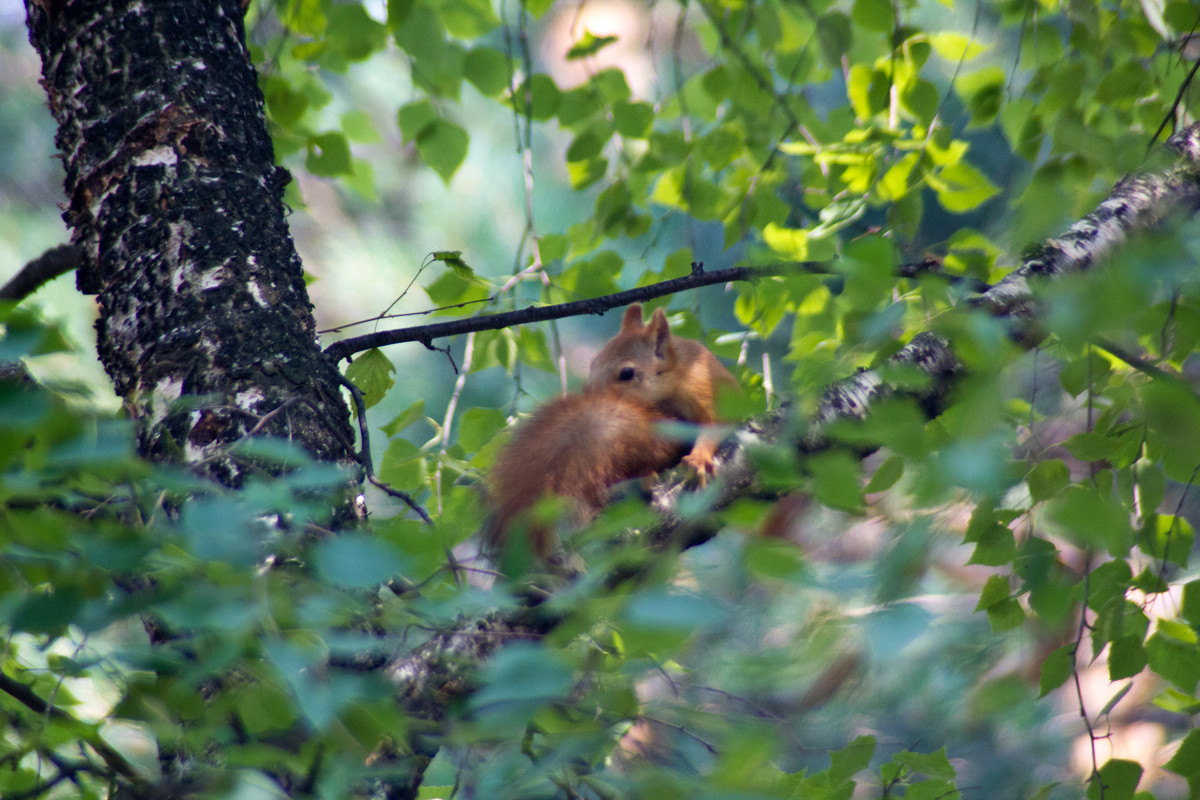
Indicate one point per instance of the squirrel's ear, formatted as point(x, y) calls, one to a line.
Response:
point(632, 321)
point(661, 330)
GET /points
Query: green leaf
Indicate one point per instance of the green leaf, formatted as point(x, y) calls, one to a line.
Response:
point(1186, 761)
point(867, 90)
point(675, 610)
point(534, 350)
point(787, 243)
point(1167, 537)
point(612, 85)
point(983, 91)
point(874, 15)
point(995, 590)
point(1003, 610)
point(443, 146)
point(1093, 519)
point(356, 559)
point(1047, 479)
point(468, 19)
point(328, 154)
point(1057, 667)
point(478, 427)
point(851, 759)
point(1191, 603)
point(407, 417)
point(488, 70)
point(954, 47)
point(588, 45)
point(834, 37)
point(1173, 412)
point(886, 475)
point(352, 34)
point(48, 611)
point(451, 289)
point(520, 677)
point(358, 127)
point(836, 480)
point(1175, 660)
point(589, 142)
point(935, 764)
point(403, 465)
point(414, 117)
point(1126, 657)
point(1119, 778)
point(285, 104)
point(371, 372)
point(767, 558)
point(961, 188)
point(633, 120)
point(1124, 83)
point(552, 247)
point(1091, 446)
point(995, 546)
point(538, 97)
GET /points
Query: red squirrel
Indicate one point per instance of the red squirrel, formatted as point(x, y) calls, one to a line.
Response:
point(579, 445)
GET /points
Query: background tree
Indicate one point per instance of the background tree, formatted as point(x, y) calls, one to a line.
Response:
point(874, 165)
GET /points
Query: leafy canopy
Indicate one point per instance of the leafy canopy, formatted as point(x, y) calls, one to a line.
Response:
point(857, 136)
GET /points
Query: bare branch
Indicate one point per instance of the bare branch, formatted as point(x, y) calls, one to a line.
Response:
point(599, 305)
point(487, 322)
point(43, 269)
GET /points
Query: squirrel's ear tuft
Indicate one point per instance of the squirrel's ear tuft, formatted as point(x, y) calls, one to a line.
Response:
point(661, 330)
point(632, 321)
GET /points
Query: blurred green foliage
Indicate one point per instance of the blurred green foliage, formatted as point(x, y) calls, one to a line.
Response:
point(912, 628)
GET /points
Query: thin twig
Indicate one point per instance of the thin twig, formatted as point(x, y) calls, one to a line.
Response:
point(363, 456)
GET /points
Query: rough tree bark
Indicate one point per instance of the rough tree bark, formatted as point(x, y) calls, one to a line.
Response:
point(176, 204)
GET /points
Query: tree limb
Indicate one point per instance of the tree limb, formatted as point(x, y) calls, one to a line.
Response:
point(43, 269)
point(486, 322)
point(598, 305)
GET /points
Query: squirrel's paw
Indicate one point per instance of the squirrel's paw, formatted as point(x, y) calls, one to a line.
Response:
point(702, 460)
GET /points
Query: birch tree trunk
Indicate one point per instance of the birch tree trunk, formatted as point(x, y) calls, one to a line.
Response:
point(175, 201)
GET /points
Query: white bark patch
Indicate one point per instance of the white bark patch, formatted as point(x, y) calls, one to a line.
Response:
point(158, 155)
point(249, 399)
point(98, 200)
point(166, 391)
point(193, 453)
point(257, 294)
point(180, 231)
point(212, 278)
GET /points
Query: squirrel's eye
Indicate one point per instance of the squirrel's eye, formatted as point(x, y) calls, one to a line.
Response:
point(626, 374)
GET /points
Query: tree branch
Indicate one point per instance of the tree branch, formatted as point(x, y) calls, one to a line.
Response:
point(115, 761)
point(598, 305)
point(43, 269)
point(1136, 203)
point(487, 322)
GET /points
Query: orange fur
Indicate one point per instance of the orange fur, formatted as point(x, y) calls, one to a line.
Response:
point(677, 377)
point(578, 446)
